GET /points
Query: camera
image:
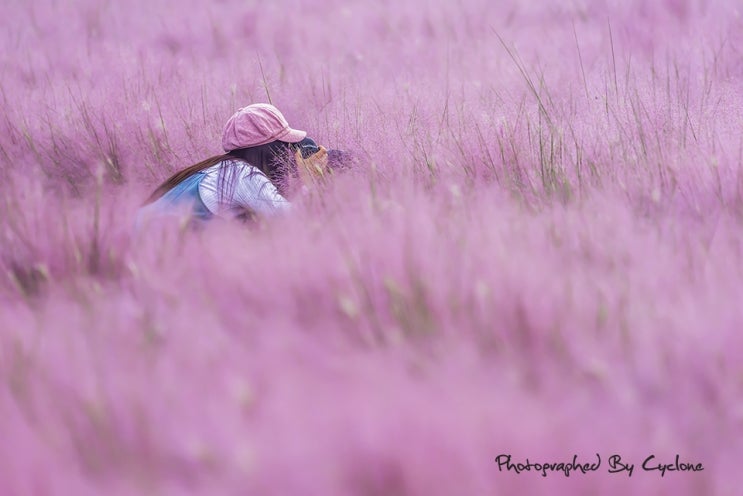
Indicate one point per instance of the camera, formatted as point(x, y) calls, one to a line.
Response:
point(307, 147)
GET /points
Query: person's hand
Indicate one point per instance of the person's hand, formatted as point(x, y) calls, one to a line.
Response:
point(313, 168)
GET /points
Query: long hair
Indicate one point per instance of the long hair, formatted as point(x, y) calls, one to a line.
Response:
point(273, 159)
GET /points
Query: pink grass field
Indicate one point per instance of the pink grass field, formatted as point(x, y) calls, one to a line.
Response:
point(538, 253)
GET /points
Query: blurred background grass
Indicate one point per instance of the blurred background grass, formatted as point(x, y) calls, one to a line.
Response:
point(538, 253)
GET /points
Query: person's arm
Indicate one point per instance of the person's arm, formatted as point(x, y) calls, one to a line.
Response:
point(255, 192)
point(313, 168)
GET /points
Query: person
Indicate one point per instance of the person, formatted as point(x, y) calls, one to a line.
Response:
point(252, 177)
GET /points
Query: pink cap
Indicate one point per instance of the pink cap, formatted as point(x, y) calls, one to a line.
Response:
point(256, 125)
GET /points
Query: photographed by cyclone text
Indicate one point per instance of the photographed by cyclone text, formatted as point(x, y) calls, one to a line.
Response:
point(613, 464)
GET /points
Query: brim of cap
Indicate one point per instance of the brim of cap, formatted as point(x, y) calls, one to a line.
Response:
point(292, 136)
point(288, 135)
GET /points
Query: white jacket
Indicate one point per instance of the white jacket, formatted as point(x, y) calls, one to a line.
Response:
point(243, 186)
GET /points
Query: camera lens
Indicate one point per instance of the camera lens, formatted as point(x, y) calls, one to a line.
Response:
point(307, 147)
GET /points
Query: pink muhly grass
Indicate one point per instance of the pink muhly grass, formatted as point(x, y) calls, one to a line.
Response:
point(538, 251)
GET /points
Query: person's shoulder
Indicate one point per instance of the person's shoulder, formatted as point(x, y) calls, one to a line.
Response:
point(248, 170)
point(219, 166)
point(231, 163)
